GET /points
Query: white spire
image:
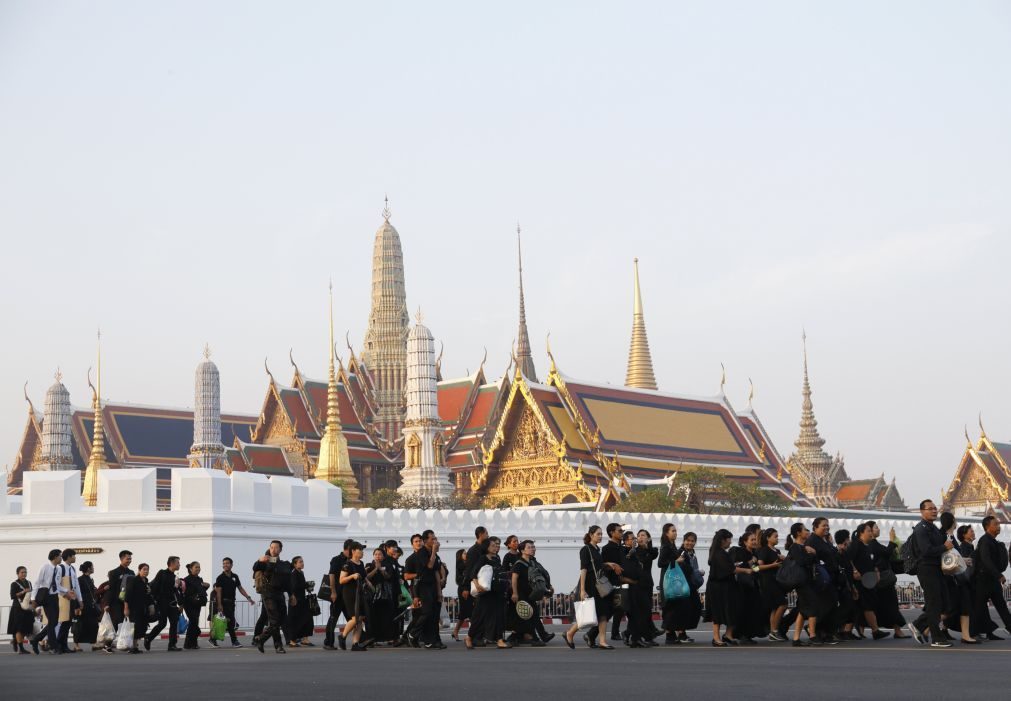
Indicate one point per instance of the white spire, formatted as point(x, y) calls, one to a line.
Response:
point(56, 436)
point(207, 450)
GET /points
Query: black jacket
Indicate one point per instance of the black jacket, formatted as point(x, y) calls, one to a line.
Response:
point(991, 557)
point(278, 575)
point(163, 589)
point(929, 543)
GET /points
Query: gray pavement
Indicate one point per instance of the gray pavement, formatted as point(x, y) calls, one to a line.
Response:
point(888, 669)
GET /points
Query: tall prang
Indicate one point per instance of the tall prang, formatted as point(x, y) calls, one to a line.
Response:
point(640, 363)
point(207, 450)
point(385, 348)
point(57, 450)
point(425, 474)
point(818, 473)
point(524, 355)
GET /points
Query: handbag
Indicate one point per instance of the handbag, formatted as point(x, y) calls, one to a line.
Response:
point(886, 579)
point(602, 583)
point(219, 626)
point(623, 599)
point(822, 579)
point(791, 575)
point(183, 624)
point(484, 577)
point(313, 603)
point(675, 586)
point(405, 596)
point(324, 587)
point(585, 613)
point(953, 563)
point(26, 600)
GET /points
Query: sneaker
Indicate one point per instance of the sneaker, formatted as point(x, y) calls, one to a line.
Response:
point(343, 642)
point(328, 647)
point(236, 643)
point(214, 642)
point(941, 643)
point(801, 643)
point(880, 634)
point(917, 635)
point(774, 637)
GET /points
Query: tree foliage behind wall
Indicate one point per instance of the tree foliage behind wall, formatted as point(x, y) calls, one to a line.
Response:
point(704, 491)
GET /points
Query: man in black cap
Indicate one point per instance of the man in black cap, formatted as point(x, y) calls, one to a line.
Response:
point(337, 563)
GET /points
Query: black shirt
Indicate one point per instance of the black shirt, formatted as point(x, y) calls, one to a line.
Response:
point(612, 552)
point(721, 566)
point(278, 575)
point(591, 561)
point(116, 584)
point(863, 557)
point(163, 588)
point(929, 543)
point(768, 556)
point(522, 569)
point(228, 584)
point(417, 563)
point(510, 559)
point(337, 563)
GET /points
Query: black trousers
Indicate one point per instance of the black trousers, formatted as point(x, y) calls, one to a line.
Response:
point(192, 625)
point(228, 611)
point(167, 614)
point(425, 620)
point(64, 632)
point(932, 583)
point(336, 609)
point(276, 613)
point(51, 605)
point(487, 622)
point(139, 627)
point(989, 589)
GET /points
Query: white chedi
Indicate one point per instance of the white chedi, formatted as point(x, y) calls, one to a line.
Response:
point(425, 474)
point(207, 450)
point(56, 435)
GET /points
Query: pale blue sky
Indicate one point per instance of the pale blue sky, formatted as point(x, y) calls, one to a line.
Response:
point(189, 172)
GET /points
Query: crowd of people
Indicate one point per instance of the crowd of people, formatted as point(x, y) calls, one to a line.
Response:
point(844, 584)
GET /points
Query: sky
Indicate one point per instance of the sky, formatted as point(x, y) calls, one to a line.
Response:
point(196, 172)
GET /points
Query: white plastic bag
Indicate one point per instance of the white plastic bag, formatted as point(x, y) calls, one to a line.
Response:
point(124, 636)
point(106, 631)
point(586, 612)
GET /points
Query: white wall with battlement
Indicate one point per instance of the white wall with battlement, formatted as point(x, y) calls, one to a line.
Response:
point(214, 515)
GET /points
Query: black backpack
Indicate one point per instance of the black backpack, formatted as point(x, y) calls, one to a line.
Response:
point(538, 582)
point(792, 574)
point(908, 553)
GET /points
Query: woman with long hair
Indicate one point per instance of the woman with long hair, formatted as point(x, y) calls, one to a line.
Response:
point(688, 611)
point(86, 625)
point(464, 601)
point(591, 566)
point(751, 618)
point(644, 553)
point(668, 556)
point(888, 613)
point(770, 559)
point(352, 583)
point(194, 599)
point(965, 535)
point(20, 621)
point(720, 590)
point(807, 598)
point(959, 595)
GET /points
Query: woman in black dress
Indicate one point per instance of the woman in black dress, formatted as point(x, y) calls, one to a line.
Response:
point(141, 602)
point(352, 581)
point(688, 611)
point(965, 536)
point(299, 621)
point(808, 604)
point(382, 576)
point(773, 596)
point(959, 599)
point(488, 620)
point(591, 566)
point(464, 602)
point(644, 553)
point(752, 620)
point(521, 591)
point(20, 621)
point(86, 626)
point(194, 599)
point(721, 589)
point(668, 553)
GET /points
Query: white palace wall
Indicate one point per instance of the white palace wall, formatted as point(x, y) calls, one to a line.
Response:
point(214, 515)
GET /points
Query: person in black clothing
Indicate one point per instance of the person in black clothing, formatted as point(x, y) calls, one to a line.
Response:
point(848, 612)
point(668, 555)
point(488, 621)
point(521, 591)
point(592, 568)
point(337, 563)
point(826, 562)
point(113, 603)
point(513, 552)
point(888, 613)
point(422, 570)
point(797, 549)
point(165, 590)
point(20, 621)
point(276, 576)
point(720, 592)
point(86, 626)
point(863, 561)
point(543, 635)
point(385, 579)
point(978, 627)
point(140, 605)
point(194, 599)
point(930, 546)
point(353, 582)
point(750, 616)
point(991, 561)
point(688, 611)
point(627, 580)
point(225, 588)
point(643, 555)
point(958, 608)
point(464, 601)
point(770, 559)
point(299, 623)
point(612, 555)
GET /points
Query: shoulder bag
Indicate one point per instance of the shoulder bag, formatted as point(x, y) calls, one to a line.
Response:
point(602, 583)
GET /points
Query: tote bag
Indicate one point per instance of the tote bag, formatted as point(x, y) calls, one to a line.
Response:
point(124, 636)
point(106, 630)
point(675, 586)
point(586, 613)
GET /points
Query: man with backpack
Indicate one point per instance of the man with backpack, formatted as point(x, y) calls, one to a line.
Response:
point(927, 544)
point(165, 591)
point(540, 581)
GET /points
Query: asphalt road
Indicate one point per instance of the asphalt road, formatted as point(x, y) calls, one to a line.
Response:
point(888, 669)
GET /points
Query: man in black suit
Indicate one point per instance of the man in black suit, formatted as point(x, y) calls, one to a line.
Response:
point(163, 589)
point(991, 561)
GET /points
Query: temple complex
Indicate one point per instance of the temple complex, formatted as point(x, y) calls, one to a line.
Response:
point(387, 419)
point(982, 480)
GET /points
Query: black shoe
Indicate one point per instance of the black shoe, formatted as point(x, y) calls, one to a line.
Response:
point(259, 644)
point(548, 637)
point(133, 651)
point(989, 636)
point(280, 650)
point(801, 643)
point(328, 647)
point(719, 643)
point(620, 637)
point(359, 648)
point(236, 643)
point(214, 642)
point(728, 641)
point(589, 642)
point(880, 634)
point(35, 646)
point(175, 648)
point(683, 637)
point(572, 645)
point(147, 644)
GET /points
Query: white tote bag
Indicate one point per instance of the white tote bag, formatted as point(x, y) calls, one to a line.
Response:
point(484, 576)
point(106, 631)
point(124, 636)
point(586, 612)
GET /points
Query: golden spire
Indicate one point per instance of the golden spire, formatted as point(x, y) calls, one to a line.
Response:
point(334, 464)
point(97, 460)
point(523, 353)
point(640, 365)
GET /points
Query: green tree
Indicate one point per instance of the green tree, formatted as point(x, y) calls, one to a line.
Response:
point(384, 499)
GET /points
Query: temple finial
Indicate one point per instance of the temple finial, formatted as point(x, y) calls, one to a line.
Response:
point(639, 373)
point(387, 213)
point(207, 351)
point(751, 392)
point(723, 377)
point(31, 407)
point(981, 429)
point(524, 354)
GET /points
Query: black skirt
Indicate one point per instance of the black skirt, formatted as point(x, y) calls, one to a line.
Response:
point(20, 621)
point(464, 605)
point(720, 596)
